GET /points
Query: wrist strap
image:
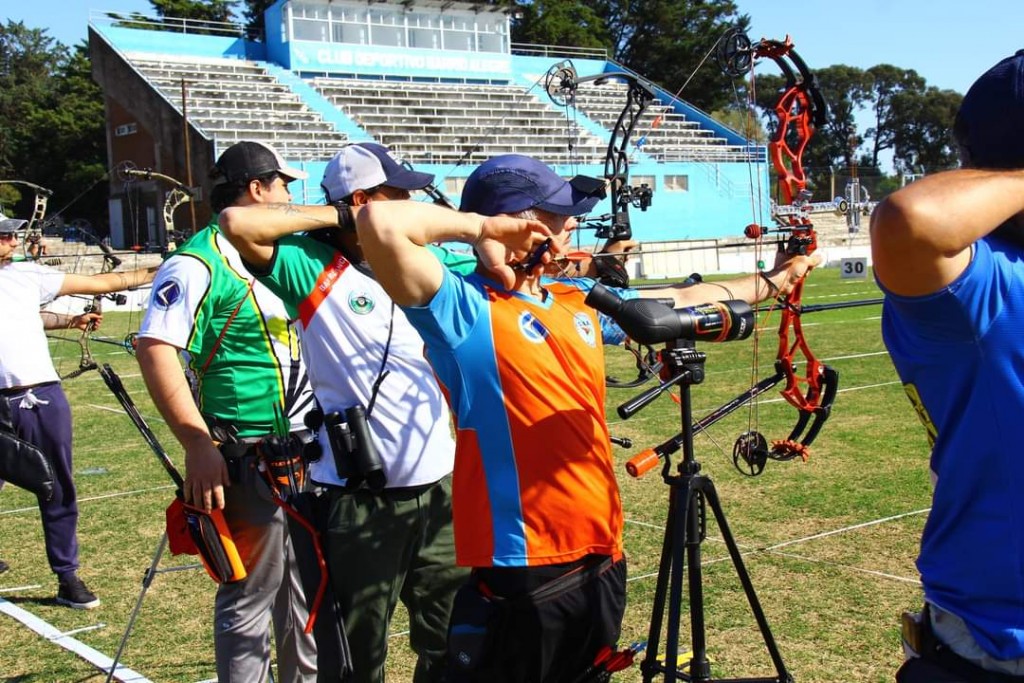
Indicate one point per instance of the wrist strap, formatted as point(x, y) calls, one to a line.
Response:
point(346, 219)
point(773, 289)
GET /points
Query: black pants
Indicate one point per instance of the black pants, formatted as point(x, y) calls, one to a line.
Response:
point(550, 640)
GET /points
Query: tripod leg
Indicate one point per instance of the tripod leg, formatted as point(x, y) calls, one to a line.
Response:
point(683, 517)
point(711, 497)
point(700, 668)
point(147, 579)
point(649, 667)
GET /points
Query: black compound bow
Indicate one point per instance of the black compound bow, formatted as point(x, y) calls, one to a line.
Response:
point(562, 83)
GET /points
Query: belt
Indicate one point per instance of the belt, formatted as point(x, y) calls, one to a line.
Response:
point(390, 492)
point(14, 391)
point(245, 446)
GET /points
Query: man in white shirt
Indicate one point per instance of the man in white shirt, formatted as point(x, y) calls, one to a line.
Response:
point(31, 391)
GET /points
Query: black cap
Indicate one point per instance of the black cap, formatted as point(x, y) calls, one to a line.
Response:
point(249, 159)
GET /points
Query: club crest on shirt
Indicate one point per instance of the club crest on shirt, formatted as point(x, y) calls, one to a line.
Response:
point(360, 303)
point(585, 328)
point(532, 328)
point(168, 294)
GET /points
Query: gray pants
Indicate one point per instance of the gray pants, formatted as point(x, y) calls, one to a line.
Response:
point(243, 610)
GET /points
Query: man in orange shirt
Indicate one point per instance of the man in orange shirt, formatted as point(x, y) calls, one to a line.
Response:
point(535, 500)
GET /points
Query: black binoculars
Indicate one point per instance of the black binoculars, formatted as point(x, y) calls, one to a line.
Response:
point(355, 455)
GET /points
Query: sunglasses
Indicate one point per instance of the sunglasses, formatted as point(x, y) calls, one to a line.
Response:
point(8, 236)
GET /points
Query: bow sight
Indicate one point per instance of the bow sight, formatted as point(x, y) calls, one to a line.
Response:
point(561, 84)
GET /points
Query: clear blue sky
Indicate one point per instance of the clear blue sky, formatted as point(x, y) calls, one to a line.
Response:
point(949, 42)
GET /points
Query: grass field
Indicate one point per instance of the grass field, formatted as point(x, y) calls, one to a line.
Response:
point(829, 543)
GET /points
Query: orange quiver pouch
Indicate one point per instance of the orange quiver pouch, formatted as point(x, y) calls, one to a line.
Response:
point(192, 531)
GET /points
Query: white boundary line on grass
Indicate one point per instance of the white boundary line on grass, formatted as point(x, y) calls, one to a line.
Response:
point(861, 570)
point(118, 494)
point(94, 657)
point(774, 549)
point(845, 529)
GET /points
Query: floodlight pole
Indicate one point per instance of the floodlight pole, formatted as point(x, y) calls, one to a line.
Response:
point(689, 494)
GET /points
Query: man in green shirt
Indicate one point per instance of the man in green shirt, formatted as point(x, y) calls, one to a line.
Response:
point(242, 359)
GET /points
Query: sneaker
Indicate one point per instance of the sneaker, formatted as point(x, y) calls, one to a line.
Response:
point(4, 566)
point(73, 593)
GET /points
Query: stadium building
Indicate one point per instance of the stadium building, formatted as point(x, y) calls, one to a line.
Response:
point(439, 82)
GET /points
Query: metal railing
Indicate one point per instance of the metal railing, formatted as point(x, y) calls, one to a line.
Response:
point(173, 24)
point(531, 50)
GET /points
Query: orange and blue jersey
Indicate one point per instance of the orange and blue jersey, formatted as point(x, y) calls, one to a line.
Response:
point(534, 481)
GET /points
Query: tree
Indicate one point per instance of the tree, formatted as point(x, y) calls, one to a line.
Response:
point(28, 60)
point(199, 10)
point(253, 15)
point(51, 121)
point(68, 139)
point(667, 41)
point(560, 22)
point(662, 40)
point(744, 122)
point(845, 90)
point(887, 82)
point(922, 122)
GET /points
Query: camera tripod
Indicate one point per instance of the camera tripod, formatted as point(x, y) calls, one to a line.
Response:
point(690, 494)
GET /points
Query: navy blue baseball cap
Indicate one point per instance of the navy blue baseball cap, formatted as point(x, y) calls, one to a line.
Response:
point(511, 183)
point(990, 123)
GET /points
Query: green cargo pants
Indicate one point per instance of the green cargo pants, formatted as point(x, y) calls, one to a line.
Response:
point(382, 547)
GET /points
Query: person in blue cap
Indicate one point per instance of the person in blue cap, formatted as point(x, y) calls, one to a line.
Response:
point(948, 251)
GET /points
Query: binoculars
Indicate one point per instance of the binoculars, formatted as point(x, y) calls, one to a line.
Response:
point(355, 455)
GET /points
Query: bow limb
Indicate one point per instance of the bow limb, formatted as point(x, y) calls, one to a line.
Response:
point(86, 361)
point(39, 204)
point(180, 192)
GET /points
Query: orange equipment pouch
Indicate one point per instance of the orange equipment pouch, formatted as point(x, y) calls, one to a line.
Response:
point(193, 531)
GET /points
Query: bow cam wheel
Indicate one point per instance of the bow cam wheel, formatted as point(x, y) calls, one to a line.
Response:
point(750, 453)
point(734, 54)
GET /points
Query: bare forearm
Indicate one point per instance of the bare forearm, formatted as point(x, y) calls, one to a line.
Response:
point(129, 279)
point(752, 288)
point(254, 229)
point(170, 392)
point(265, 223)
point(417, 223)
point(56, 321)
point(105, 283)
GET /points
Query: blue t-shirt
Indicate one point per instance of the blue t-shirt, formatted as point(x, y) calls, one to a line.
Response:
point(960, 355)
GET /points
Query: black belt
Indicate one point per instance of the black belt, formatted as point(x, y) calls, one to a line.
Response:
point(391, 492)
point(245, 446)
point(14, 391)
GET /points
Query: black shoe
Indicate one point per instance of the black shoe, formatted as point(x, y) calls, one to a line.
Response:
point(72, 592)
point(4, 566)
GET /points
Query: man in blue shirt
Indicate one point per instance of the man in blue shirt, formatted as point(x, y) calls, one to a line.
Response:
point(949, 252)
